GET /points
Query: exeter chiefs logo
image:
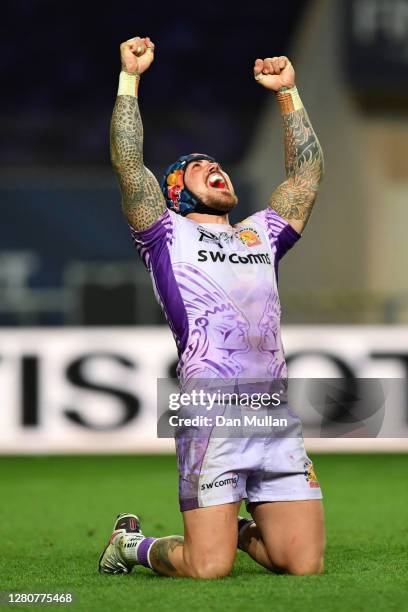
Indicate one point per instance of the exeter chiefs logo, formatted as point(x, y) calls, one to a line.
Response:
point(249, 237)
point(310, 475)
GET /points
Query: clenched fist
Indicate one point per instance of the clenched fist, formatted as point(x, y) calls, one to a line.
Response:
point(274, 72)
point(136, 54)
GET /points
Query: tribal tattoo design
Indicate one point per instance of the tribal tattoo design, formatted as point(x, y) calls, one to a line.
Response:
point(142, 199)
point(294, 199)
point(159, 554)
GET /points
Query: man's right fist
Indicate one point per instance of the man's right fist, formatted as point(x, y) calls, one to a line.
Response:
point(136, 54)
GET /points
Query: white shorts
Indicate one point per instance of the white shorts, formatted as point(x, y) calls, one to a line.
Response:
point(215, 470)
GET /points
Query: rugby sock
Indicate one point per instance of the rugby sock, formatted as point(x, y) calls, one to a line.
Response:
point(143, 551)
point(242, 524)
point(135, 549)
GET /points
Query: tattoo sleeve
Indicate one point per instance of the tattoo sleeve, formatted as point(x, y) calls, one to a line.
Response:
point(142, 199)
point(159, 554)
point(293, 200)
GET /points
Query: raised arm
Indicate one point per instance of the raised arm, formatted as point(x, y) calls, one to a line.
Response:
point(142, 199)
point(294, 198)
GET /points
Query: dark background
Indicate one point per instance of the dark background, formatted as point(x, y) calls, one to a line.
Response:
point(60, 201)
point(62, 64)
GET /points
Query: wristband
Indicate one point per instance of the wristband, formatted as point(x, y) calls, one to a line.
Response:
point(128, 84)
point(289, 100)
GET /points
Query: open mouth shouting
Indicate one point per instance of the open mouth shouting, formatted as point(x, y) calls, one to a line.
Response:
point(217, 181)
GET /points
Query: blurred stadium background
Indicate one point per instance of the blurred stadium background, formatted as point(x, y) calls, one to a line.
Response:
point(82, 338)
point(76, 301)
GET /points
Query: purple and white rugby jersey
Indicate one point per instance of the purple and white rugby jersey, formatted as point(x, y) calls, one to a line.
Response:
point(217, 285)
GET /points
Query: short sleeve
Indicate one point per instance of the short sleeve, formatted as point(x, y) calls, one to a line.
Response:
point(151, 241)
point(281, 234)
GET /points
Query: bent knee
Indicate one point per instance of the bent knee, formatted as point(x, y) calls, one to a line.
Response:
point(302, 567)
point(210, 568)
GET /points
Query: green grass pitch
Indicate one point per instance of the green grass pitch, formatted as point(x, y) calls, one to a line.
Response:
point(56, 515)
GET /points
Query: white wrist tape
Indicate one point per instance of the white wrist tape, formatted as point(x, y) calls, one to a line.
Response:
point(128, 84)
point(289, 99)
point(297, 102)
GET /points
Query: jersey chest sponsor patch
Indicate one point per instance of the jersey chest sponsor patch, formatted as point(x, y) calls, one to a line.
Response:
point(227, 247)
point(204, 255)
point(249, 236)
point(218, 238)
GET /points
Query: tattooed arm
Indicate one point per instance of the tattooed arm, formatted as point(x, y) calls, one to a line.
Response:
point(294, 198)
point(142, 199)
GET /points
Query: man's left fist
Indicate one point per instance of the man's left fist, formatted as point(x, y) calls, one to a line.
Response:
point(274, 72)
